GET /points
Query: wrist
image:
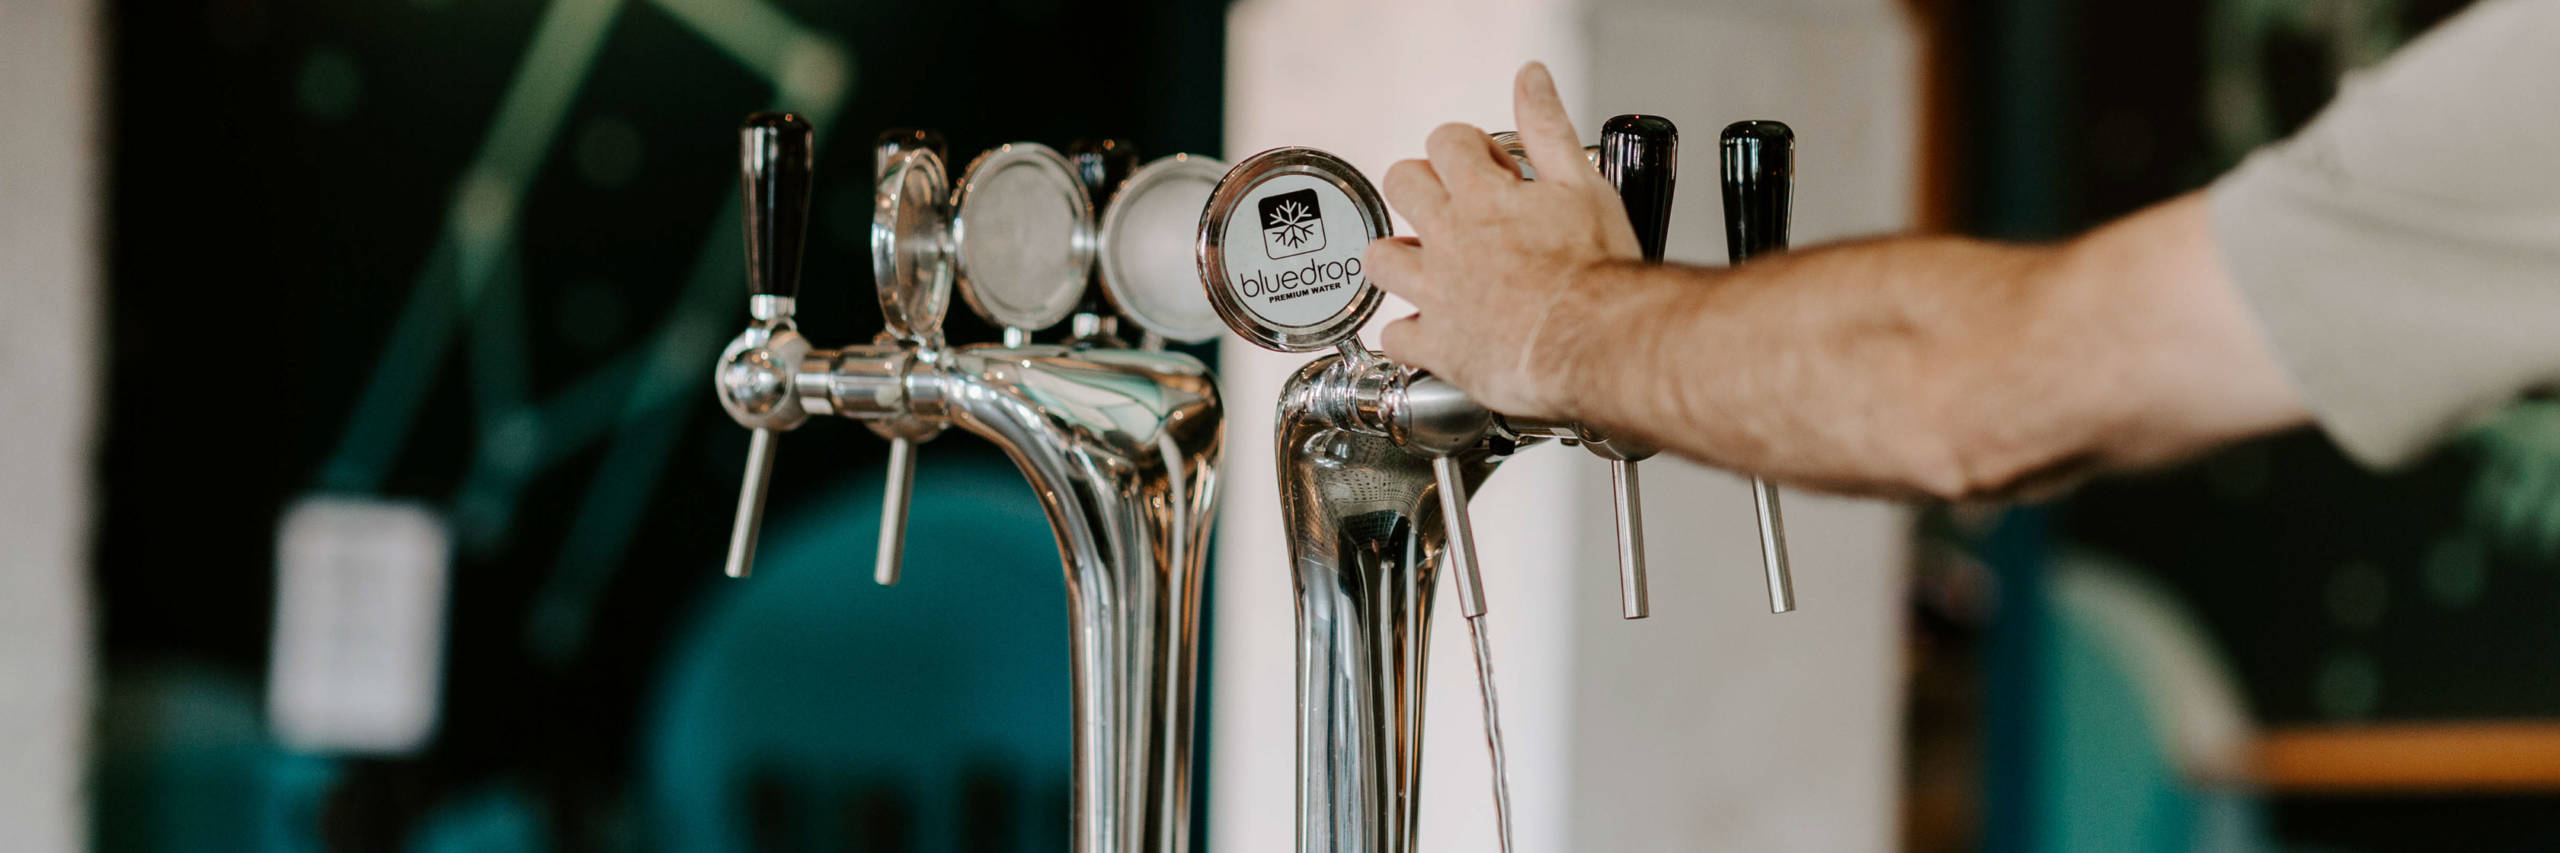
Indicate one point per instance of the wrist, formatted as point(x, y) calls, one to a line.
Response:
point(1602, 338)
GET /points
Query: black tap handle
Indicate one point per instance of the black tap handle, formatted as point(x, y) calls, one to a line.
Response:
point(774, 172)
point(1640, 155)
point(896, 142)
point(1759, 187)
point(1759, 190)
point(1102, 164)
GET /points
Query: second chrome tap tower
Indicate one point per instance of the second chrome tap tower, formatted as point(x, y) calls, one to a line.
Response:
point(1377, 460)
point(1120, 442)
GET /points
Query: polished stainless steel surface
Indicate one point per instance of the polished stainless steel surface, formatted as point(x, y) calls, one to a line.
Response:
point(1773, 545)
point(1633, 600)
point(1240, 295)
point(1365, 531)
point(890, 558)
point(754, 373)
point(1147, 223)
point(1022, 236)
point(910, 242)
point(1371, 519)
point(1376, 463)
point(1376, 466)
point(1121, 446)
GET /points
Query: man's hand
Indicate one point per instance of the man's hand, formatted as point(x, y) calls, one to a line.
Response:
point(1499, 266)
point(1932, 365)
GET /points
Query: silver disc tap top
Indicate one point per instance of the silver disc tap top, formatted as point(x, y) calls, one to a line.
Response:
point(1022, 234)
point(910, 244)
point(1510, 143)
point(1281, 245)
point(1148, 271)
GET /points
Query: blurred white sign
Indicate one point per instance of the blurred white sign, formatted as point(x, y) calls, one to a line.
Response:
point(358, 654)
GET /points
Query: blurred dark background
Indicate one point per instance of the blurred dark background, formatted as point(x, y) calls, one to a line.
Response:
point(475, 257)
point(2342, 601)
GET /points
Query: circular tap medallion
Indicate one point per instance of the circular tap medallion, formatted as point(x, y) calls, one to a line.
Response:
point(1281, 246)
point(910, 246)
point(1147, 266)
point(1023, 236)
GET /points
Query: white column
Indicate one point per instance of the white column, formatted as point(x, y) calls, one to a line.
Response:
point(49, 368)
point(1713, 725)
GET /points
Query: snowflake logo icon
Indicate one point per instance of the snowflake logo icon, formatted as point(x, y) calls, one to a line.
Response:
point(1292, 224)
point(1296, 223)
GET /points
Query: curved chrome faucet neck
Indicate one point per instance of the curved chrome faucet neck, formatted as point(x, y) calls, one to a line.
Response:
point(1122, 447)
point(1366, 540)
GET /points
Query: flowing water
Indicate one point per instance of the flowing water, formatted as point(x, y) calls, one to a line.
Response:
point(1493, 732)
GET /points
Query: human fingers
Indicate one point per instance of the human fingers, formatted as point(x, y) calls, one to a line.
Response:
point(1395, 263)
point(1464, 158)
point(1415, 191)
point(1411, 341)
point(1546, 131)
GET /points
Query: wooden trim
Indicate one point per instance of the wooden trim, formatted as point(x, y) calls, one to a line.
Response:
point(2411, 757)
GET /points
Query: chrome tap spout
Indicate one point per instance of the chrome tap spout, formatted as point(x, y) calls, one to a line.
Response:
point(1365, 543)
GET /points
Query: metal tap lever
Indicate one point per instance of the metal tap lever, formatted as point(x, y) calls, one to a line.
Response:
point(912, 308)
point(1434, 418)
point(1759, 186)
point(1640, 156)
point(774, 175)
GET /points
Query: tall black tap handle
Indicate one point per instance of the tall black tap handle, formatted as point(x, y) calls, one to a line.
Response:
point(1759, 190)
point(896, 142)
point(1640, 155)
point(774, 171)
point(1103, 164)
point(1759, 187)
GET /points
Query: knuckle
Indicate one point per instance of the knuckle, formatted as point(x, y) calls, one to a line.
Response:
point(1454, 132)
point(1406, 176)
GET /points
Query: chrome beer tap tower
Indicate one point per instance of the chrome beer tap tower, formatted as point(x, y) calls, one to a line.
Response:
point(1121, 444)
point(1377, 460)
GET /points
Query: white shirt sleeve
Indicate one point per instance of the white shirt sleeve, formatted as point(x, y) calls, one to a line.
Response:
point(2403, 251)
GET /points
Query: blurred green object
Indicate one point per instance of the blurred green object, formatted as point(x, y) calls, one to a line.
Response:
point(802, 709)
point(806, 708)
point(183, 763)
point(2514, 503)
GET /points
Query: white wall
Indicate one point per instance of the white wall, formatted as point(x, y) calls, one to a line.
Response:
point(1714, 725)
point(49, 290)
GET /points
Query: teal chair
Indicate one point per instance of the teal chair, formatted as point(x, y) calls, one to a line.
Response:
point(808, 708)
point(2144, 734)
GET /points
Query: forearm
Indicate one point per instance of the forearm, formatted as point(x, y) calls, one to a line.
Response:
point(1933, 365)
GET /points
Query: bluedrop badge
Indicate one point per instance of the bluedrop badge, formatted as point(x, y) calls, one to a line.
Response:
point(1306, 273)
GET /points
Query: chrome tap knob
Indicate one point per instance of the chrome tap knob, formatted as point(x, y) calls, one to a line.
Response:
point(894, 143)
point(911, 268)
point(1759, 186)
point(1143, 258)
point(1022, 238)
point(1640, 156)
point(755, 374)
